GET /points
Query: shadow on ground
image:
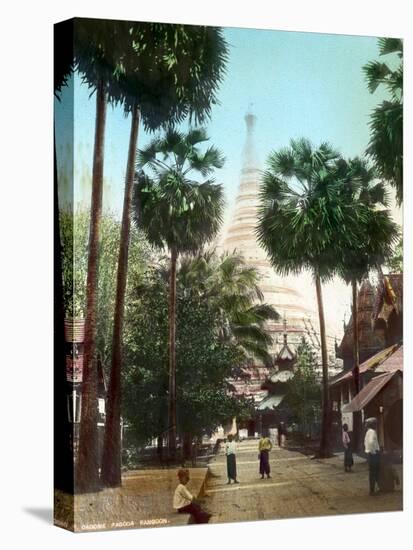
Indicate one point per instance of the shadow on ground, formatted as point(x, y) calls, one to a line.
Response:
point(44, 514)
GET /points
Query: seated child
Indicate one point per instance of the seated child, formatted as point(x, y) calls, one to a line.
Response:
point(184, 502)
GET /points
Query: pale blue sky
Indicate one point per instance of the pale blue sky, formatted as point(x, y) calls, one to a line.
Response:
point(300, 84)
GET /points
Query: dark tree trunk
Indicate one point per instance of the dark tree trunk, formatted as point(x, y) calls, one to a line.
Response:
point(159, 447)
point(187, 453)
point(87, 471)
point(111, 461)
point(325, 421)
point(63, 431)
point(357, 422)
point(172, 358)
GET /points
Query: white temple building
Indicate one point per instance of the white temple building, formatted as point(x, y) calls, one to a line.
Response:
point(294, 296)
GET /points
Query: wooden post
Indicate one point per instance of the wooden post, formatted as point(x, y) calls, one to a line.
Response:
point(357, 422)
point(381, 428)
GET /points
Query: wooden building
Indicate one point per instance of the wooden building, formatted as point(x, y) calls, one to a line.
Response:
point(380, 317)
point(74, 338)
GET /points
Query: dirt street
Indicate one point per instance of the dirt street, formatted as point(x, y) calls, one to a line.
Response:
point(300, 486)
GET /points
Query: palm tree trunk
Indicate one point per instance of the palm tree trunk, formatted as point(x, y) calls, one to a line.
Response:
point(87, 471)
point(325, 423)
point(172, 358)
point(111, 460)
point(356, 365)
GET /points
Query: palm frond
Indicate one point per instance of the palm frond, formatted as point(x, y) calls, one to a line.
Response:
point(390, 45)
point(375, 73)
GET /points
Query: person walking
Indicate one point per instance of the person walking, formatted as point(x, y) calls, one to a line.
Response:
point(281, 434)
point(348, 453)
point(264, 448)
point(372, 449)
point(184, 502)
point(230, 452)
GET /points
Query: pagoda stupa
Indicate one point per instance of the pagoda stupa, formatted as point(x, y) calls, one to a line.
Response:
point(292, 296)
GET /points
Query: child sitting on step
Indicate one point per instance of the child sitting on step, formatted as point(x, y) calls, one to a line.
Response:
point(184, 502)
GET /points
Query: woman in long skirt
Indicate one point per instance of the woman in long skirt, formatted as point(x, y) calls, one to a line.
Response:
point(230, 451)
point(264, 448)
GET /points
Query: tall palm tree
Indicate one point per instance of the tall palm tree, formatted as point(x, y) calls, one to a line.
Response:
point(232, 287)
point(159, 86)
point(377, 234)
point(98, 52)
point(303, 222)
point(178, 213)
point(386, 138)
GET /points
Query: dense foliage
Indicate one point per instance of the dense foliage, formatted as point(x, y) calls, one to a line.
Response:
point(376, 231)
point(304, 391)
point(74, 228)
point(204, 363)
point(386, 123)
point(395, 263)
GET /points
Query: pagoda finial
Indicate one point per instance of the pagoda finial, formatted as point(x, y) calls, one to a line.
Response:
point(250, 121)
point(249, 154)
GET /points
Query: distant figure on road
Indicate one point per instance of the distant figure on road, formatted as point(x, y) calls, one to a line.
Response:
point(230, 452)
point(348, 453)
point(264, 448)
point(281, 434)
point(372, 449)
point(184, 502)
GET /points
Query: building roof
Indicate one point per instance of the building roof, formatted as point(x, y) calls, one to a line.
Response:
point(271, 402)
point(281, 376)
point(392, 363)
point(370, 390)
point(389, 297)
point(365, 304)
point(386, 360)
point(375, 303)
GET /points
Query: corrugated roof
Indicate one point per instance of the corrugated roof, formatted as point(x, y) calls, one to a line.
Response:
point(377, 360)
point(369, 391)
point(392, 363)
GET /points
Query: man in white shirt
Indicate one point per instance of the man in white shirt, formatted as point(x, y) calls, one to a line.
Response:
point(183, 501)
point(372, 449)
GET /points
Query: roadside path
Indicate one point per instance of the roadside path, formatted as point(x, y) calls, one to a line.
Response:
point(299, 487)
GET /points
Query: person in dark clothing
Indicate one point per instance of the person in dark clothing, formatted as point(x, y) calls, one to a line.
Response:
point(230, 452)
point(264, 448)
point(348, 453)
point(281, 434)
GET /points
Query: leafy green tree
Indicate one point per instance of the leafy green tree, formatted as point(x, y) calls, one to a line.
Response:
point(386, 139)
point(169, 71)
point(395, 263)
point(304, 391)
point(204, 363)
point(178, 213)
point(303, 224)
point(75, 237)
